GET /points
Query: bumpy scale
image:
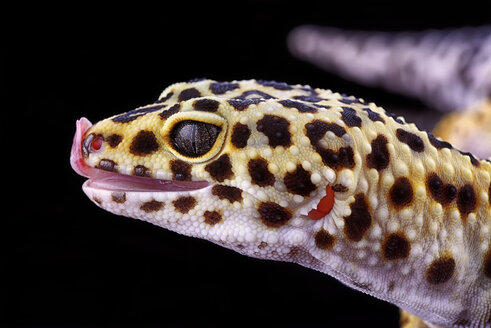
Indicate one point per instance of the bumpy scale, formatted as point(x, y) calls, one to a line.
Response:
point(293, 173)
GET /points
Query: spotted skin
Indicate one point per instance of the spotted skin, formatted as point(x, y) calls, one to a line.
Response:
point(411, 220)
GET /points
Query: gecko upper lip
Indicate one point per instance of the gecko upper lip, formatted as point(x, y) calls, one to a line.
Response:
point(100, 179)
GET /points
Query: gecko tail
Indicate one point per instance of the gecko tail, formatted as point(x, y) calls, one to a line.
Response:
point(445, 69)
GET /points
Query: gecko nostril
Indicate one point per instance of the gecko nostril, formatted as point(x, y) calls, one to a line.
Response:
point(92, 143)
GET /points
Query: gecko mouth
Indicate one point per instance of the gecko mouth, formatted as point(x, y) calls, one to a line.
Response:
point(105, 180)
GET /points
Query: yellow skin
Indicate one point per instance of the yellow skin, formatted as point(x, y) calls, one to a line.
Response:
point(411, 222)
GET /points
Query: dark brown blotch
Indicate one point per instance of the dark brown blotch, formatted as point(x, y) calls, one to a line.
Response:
point(188, 94)
point(396, 246)
point(276, 129)
point(440, 270)
point(298, 182)
point(324, 240)
point(412, 140)
point(441, 192)
point(206, 105)
point(466, 199)
point(142, 171)
point(348, 115)
point(219, 88)
point(118, 197)
point(260, 175)
point(107, 165)
point(301, 107)
point(212, 217)
point(401, 193)
point(180, 170)
point(151, 206)
point(273, 215)
point(316, 130)
point(114, 140)
point(343, 158)
point(232, 194)
point(359, 221)
point(240, 135)
point(220, 169)
point(184, 204)
point(487, 264)
point(379, 158)
point(170, 111)
point(144, 143)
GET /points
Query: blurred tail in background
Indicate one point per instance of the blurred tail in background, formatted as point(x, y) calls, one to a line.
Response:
point(446, 69)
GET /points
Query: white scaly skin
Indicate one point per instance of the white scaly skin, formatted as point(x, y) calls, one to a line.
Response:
point(389, 234)
point(446, 69)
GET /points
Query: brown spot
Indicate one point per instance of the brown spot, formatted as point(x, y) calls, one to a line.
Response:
point(273, 215)
point(107, 165)
point(144, 143)
point(440, 270)
point(206, 105)
point(359, 221)
point(301, 107)
point(118, 197)
point(142, 171)
point(170, 111)
point(219, 88)
point(343, 158)
point(184, 204)
point(220, 169)
point(396, 246)
point(262, 245)
point(487, 264)
point(401, 193)
point(348, 115)
point(180, 170)
point(232, 194)
point(240, 135)
point(466, 199)
point(114, 140)
point(276, 129)
point(379, 158)
point(316, 130)
point(412, 140)
point(212, 217)
point(324, 240)
point(260, 175)
point(373, 116)
point(339, 188)
point(299, 182)
point(440, 191)
point(151, 206)
point(188, 94)
point(97, 200)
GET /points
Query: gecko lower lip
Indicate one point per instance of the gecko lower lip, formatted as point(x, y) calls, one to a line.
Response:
point(100, 179)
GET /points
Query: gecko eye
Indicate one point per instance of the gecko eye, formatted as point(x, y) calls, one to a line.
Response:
point(92, 144)
point(193, 138)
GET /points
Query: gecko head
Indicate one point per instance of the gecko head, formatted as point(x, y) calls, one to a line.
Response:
point(227, 171)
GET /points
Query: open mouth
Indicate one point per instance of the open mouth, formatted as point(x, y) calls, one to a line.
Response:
point(105, 180)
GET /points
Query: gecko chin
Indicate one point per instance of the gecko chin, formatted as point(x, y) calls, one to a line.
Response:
point(99, 179)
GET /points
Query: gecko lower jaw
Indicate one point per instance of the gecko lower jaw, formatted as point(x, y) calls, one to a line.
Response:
point(112, 181)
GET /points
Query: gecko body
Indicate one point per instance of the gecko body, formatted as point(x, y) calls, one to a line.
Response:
point(293, 173)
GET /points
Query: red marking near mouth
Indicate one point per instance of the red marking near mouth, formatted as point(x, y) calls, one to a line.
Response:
point(325, 205)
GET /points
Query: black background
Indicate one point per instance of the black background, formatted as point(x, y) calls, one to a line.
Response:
point(71, 264)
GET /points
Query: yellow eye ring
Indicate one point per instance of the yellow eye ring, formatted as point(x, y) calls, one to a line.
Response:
point(194, 136)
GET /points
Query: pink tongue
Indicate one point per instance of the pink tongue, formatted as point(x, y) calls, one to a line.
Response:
point(100, 179)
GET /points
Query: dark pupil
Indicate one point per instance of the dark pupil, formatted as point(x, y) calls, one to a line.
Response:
point(193, 138)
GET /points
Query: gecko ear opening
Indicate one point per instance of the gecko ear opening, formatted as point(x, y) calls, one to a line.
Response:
point(194, 136)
